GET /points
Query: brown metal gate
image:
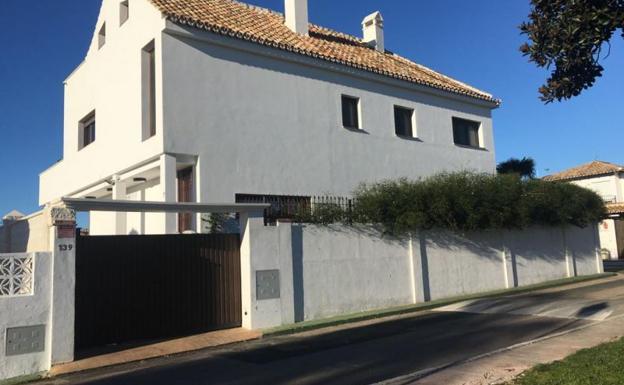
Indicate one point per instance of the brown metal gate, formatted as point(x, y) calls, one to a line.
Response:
point(133, 288)
point(619, 236)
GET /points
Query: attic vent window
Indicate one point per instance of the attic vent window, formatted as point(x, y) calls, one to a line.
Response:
point(124, 12)
point(102, 36)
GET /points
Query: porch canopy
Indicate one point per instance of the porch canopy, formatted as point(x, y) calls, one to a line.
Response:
point(84, 204)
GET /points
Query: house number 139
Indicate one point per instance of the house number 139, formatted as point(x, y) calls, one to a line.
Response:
point(66, 247)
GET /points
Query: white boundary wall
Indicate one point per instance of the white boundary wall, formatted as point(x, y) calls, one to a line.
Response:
point(329, 271)
point(50, 303)
point(28, 310)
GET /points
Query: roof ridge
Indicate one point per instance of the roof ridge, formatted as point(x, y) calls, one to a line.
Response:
point(609, 163)
point(589, 169)
point(240, 20)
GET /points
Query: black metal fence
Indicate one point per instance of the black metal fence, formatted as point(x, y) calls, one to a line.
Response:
point(296, 208)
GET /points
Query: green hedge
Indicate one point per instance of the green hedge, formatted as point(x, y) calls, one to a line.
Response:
point(467, 202)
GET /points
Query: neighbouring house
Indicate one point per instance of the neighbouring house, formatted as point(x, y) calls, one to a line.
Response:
point(220, 101)
point(606, 179)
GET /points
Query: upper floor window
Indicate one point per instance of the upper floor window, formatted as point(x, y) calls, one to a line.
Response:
point(87, 131)
point(466, 132)
point(124, 11)
point(102, 36)
point(350, 112)
point(148, 63)
point(404, 122)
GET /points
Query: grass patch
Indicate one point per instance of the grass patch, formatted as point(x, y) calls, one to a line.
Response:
point(602, 365)
point(373, 314)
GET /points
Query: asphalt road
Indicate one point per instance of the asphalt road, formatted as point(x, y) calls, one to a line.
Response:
point(377, 352)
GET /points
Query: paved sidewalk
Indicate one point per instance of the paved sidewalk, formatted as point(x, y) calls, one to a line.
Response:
point(504, 366)
point(162, 349)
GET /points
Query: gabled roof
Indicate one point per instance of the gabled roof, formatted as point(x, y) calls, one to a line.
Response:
point(266, 27)
point(593, 169)
point(12, 215)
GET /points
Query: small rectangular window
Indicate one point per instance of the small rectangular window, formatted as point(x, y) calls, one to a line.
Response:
point(124, 12)
point(466, 132)
point(87, 130)
point(404, 122)
point(102, 36)
point(149, 90)
point(350, 112)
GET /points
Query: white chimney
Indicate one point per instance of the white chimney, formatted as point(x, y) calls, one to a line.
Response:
point(297, 16)
point(373, 26)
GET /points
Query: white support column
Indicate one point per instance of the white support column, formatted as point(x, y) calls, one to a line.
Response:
point(570, 258)
point(121, 218)
point(62, 225)
point(417, 250)
point(168, 184)
point(510, 272)
point(257, 254)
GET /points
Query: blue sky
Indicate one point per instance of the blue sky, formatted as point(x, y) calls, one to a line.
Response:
point(42, 41)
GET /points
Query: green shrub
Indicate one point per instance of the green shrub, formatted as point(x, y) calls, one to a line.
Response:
point(322, 214)
point(467, 202)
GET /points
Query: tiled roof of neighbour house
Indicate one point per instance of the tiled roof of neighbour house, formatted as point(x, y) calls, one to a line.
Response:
point(615, 208)
point(266, 27)
point(596, 168)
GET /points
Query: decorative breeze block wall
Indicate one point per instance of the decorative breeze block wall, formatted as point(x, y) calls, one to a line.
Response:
point(16, 275)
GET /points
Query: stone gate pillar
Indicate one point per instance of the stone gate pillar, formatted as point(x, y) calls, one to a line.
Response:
point(62, 226)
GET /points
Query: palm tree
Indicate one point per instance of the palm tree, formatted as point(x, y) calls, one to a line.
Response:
point(525, 167)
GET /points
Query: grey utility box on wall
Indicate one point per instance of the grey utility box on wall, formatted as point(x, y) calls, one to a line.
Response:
point(267, 284)
point(24, 340)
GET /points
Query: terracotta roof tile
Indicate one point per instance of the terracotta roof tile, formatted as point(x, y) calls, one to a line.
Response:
point(266, 27)
point(595, 168)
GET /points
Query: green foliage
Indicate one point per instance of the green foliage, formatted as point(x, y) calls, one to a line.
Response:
point(568, 36)
point(466, 202)
point(217, 222)
point(601, 365)
point(322, 214)
point(524, 167)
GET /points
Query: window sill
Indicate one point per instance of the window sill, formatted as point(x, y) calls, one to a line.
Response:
point(358, 130)
point(86, 147)
point(410, 138)
point(471, 147)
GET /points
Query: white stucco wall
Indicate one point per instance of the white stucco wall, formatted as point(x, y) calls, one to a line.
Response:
point(608, 239)
point(458, 265)
point(342, 271)
point(33, 310)
point(331, 271)
point(264, 124)
point(248, 118)
point(29, 234)
point(608, 187)
point(582, 246)
point(539, 255)
point(109, 82)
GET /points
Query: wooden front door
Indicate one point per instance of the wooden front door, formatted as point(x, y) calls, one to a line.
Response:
point(185, 194)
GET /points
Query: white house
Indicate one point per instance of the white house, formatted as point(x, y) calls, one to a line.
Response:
point(201, 100)
point(606, 179)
